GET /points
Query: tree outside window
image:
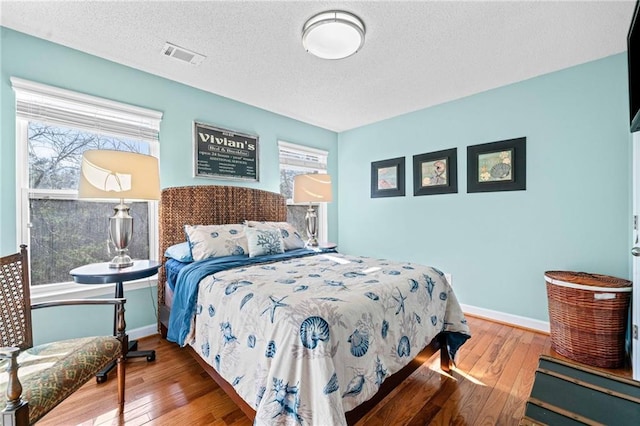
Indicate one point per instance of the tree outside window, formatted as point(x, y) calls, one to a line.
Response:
point(65, 233)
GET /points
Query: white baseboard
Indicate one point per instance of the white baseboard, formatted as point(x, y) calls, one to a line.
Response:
point(147, 330)
point(516, 320)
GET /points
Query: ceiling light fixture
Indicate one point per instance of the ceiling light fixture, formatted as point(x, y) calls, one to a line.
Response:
point(333, 35)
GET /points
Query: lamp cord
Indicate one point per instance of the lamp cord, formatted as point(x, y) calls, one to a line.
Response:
point(153, 302)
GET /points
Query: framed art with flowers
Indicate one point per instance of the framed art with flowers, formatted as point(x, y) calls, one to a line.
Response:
point(435, 172)
point(497, 166)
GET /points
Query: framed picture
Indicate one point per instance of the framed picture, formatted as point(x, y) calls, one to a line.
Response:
point(387, 178)
point(497, 166)
point(224, 154)
point(435, 172)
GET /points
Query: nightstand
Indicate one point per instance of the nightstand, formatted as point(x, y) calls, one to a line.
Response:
point(101, 273)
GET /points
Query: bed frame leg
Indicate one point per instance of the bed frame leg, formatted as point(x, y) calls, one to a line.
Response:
point(445, 360)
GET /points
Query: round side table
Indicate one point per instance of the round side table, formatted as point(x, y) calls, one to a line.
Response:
point(101, 273)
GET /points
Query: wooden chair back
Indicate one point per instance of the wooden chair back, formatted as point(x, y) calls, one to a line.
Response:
point(15, 301)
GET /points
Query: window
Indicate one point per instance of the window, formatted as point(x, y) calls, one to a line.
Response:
point(53, 128)
point(296, 160)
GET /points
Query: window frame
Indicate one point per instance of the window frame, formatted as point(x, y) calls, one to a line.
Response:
point(321, 208)
point(46, 292)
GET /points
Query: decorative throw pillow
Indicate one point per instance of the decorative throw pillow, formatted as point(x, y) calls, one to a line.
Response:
point(180, 252)
point(208, 241)
point(291, 237)
point(264, 241)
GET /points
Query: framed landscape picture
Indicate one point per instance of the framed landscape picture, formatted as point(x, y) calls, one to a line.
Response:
point(435, 172)
point(387, 178)
point(497, 166)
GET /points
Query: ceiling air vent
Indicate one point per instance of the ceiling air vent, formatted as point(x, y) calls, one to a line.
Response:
point(182, 54)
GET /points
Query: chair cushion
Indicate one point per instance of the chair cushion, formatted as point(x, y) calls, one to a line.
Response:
point(51, 372)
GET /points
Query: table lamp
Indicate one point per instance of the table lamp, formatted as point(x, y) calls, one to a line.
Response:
point(108, 174)
point(312, 188)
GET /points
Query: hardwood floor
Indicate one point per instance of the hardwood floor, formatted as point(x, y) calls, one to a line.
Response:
point(489, 386)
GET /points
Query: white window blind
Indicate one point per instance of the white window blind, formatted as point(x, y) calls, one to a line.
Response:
point(48, 104)
point(302, 156)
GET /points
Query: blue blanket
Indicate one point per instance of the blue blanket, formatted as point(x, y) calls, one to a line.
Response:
point(186, 287)
point(172, 268)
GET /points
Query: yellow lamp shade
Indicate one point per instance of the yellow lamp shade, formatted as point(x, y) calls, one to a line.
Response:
point(312, 188)
point(108, 174)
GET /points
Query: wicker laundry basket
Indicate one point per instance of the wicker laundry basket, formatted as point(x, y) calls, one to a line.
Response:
point(588, 314)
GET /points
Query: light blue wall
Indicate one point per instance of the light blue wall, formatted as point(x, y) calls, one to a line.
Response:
point(574, 215)
point(51, 324)
point(34, 59)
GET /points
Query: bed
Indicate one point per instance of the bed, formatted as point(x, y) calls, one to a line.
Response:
point(301, 336)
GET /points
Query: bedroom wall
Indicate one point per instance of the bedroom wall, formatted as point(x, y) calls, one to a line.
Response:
point(574, 214)
point(44, 62)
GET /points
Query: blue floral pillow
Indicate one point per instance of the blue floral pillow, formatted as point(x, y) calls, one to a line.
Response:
point(264, 241)
point(291, 237)
point(208, 241)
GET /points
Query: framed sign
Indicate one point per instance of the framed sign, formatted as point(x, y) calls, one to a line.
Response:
point(387, 178)
point(435, 173)
point(225, 154)
point(497, 166)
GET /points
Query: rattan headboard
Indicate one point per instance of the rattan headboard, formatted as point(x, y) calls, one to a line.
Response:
point(211, 205)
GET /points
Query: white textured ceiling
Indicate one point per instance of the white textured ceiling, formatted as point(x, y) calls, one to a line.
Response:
point(416, 54)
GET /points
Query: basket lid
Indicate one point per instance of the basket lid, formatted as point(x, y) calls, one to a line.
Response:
point(585, 278)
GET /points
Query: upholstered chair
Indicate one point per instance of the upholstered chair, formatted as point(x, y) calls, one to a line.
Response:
point(39, 378)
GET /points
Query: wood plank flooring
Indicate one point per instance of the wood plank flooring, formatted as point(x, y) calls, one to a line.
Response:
point(490, 385)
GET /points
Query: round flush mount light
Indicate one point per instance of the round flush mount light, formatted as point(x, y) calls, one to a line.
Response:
point(333, 35)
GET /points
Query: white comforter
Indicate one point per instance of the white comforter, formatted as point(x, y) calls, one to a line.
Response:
point(305, 340)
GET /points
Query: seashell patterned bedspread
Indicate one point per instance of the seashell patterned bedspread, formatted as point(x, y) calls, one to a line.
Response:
point(303, 341)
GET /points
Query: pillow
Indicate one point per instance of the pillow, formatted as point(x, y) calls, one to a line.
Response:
point(264, 241)
point(208, 241)
point(180, 252)
point(291, 237)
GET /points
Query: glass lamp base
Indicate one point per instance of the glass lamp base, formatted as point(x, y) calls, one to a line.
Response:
point(120, 232)
point(311, 220)
point(121, 261)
